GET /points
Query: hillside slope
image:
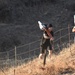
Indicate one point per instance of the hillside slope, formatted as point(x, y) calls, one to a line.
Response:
point(61, 64)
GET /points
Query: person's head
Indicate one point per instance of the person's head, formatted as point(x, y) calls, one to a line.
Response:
point(50, 27)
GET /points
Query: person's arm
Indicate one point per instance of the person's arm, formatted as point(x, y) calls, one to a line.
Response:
point(48, 33)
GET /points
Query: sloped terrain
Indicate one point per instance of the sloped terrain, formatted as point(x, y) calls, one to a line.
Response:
point(18, 26)
point(61, 64)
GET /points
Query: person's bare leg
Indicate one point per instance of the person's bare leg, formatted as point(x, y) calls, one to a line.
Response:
point(50, 53)
point(41, 56)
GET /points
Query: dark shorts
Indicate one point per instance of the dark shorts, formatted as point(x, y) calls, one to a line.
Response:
point(45, 43)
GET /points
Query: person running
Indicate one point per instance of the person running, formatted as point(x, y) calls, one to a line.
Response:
point(47, 39)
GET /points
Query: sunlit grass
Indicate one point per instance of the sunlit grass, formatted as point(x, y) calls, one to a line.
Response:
point(62, 63)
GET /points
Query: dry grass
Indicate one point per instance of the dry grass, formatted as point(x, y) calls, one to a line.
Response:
point(62, 64)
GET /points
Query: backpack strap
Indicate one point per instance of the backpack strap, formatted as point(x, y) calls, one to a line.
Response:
point(49, 34)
